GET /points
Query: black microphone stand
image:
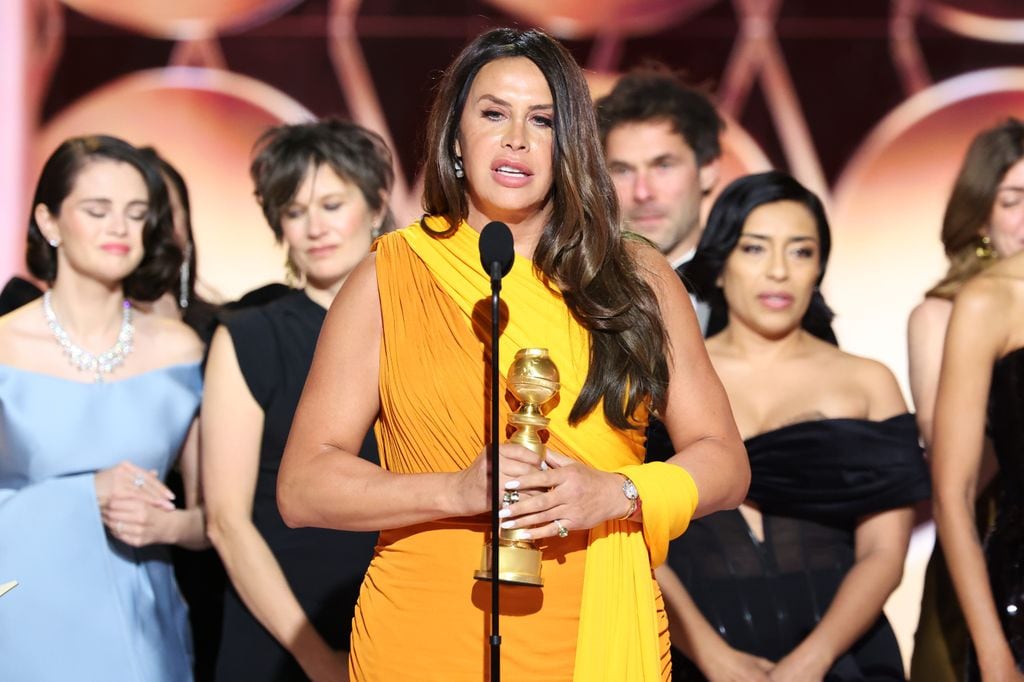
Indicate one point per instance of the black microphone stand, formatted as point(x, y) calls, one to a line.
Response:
point(495, 639)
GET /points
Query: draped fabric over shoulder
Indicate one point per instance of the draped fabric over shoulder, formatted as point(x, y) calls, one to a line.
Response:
point(88, 607)
point(421, 615)
point(812, 481)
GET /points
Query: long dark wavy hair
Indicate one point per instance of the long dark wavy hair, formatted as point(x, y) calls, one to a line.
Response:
point(158, 270)
point(725, 225)
point(582, 249)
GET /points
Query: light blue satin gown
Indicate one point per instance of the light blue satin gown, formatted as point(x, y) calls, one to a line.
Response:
point(88, 607)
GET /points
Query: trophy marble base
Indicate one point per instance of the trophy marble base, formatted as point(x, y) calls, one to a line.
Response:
point(518, 565)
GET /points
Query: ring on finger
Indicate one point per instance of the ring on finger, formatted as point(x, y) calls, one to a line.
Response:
point(562, 530)
point(117, 526)
point(510, 497)
point(139, 481)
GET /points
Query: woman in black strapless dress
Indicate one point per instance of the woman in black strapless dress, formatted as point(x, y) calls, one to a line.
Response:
point(982, 382)
point(791, 585)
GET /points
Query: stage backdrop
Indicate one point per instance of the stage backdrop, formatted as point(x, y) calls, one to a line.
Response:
point(869, 103)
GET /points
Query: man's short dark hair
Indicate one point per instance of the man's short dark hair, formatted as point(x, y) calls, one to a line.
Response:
point(654, 93)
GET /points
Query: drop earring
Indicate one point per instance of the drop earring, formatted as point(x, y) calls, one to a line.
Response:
point(184, 272)
point(984, 251)
point(459, 170)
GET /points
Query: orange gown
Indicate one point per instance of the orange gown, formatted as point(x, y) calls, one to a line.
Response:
point(420, 614)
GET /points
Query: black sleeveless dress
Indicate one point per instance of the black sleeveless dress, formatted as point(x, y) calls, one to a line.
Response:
point(1004, 546)
point(812, 482)
point(274, 344)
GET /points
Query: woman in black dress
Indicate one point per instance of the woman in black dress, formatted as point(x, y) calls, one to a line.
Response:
point(791, 585)
point(323, 188)
point(982, 388)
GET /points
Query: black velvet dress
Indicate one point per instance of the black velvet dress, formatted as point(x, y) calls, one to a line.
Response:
point(274, 344)
point(812, 482)
point(1004, 546)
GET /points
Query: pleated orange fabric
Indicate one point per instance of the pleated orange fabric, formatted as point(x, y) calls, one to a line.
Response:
point(421, 615)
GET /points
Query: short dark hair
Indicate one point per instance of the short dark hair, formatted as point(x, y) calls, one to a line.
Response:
point(283, 155)
point(725, 224)
point(654, 93)
point(161, 255)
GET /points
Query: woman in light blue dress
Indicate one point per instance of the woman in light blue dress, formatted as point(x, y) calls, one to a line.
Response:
point(97, 401)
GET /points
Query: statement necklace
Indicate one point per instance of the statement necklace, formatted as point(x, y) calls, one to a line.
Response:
point(83, 360)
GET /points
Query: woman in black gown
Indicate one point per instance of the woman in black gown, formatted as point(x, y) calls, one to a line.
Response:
point(982, 384)
point(791, 585)
point(323, 188)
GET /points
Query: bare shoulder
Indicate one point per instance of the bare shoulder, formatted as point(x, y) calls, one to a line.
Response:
point(930, 316)
point(359, 291)
point(176, 341)
point(654, 268)
point(21, 329)
point(882, 391)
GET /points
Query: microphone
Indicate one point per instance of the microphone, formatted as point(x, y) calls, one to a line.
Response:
point(497, 251)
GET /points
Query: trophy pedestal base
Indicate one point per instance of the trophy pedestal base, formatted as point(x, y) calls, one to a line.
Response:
point(518, 565)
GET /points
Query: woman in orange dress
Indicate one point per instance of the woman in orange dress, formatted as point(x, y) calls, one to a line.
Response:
point(512, 137)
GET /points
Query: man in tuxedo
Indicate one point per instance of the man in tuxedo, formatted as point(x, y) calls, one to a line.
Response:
point(661, 143)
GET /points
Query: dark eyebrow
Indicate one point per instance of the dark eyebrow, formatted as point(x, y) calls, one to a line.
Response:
point(499, 101)
point(664, 157)
point(1010, 188)
point(766, 238)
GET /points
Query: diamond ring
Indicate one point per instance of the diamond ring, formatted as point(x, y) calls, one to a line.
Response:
point(562, 530)
point(139, 481)
point(510, 497)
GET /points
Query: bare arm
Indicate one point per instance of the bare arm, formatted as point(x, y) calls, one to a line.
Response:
point(978, 333)
point(926, 331)
point(232, 424)
point(694, 636)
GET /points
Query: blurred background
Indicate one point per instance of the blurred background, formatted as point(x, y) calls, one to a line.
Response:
point(870, 103)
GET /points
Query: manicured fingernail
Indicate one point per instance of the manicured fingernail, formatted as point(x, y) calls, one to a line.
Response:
point(509, 524)
point(511, 485)
point(525, 535)
point(504, 513)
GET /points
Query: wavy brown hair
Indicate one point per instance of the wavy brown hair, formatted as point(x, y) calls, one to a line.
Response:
point(992, 153)
point(582, 249)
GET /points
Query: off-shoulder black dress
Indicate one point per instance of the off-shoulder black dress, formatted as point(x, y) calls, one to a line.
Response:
point(812, 482)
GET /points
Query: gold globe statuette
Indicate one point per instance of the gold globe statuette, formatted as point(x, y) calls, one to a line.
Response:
point(533, 380)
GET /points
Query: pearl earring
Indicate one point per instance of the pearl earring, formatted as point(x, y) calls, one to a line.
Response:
point(54, 242)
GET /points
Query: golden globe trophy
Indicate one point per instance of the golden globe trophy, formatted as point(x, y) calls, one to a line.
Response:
point(533, 380)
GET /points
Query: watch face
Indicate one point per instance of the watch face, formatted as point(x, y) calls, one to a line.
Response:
point(630, 490)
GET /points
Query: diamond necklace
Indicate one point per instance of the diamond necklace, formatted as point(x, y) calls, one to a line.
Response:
point(83, 360)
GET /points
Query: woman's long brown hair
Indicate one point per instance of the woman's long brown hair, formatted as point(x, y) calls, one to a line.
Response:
point(582, 249)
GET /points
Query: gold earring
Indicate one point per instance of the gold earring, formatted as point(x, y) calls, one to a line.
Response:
point(984, 250)
point(293, 277)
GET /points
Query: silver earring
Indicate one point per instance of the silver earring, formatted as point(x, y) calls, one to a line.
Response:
point(54, 242)
point(184, 273)
point(459, 171)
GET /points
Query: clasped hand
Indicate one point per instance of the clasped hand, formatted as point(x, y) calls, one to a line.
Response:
point(134, 504)
point(560, 493)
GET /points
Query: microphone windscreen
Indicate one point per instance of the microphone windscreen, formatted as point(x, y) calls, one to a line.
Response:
point(496, 246)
